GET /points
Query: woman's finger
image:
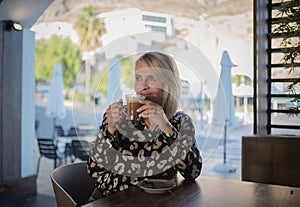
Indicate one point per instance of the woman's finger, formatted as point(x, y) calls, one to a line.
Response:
point(151, 112)
point(147, 102)
point(149, 105)
point(114, 114)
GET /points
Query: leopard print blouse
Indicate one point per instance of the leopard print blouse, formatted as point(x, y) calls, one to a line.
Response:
point(134, 153)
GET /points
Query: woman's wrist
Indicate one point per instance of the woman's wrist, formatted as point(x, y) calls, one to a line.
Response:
point(168, 130)
point(107, 130)
point(111, 130)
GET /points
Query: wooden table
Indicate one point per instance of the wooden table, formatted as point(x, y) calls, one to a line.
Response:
point(208, 192)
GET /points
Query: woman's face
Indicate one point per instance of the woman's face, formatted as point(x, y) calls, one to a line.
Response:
point(146, 84)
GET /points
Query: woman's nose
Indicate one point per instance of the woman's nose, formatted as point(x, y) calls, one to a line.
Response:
point(144, 84)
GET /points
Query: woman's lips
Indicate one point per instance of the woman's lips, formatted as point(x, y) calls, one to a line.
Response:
point(145, 94)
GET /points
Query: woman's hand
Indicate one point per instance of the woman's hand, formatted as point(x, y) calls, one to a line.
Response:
point(155, 114)
point(114, 115)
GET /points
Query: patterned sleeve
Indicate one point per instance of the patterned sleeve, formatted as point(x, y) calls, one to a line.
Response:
point(107, 182)
point(188, 161)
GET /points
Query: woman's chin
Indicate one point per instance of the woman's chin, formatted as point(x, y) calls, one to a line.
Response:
point(151, 98)
point(154, 99)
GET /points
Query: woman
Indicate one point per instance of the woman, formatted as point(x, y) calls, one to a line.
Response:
point(158, 146)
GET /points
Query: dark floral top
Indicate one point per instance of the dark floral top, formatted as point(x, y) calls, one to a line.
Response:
point(134, 153)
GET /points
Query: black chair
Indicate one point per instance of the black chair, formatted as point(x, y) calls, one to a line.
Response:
point(59, 131)
point(36, 126)
point(72, 185)
point(72, 131)
point(81, 149)
point(68, 152)
point(48, 149)
point(86, 130)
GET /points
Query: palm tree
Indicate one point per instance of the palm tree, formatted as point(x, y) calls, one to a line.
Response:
point(90, 29)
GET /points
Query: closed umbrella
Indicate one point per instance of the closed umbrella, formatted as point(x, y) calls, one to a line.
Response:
point(224, 106)
point(224, 101)
point(55, 106)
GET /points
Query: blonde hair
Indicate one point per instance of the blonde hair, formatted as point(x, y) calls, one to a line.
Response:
point(167, 75)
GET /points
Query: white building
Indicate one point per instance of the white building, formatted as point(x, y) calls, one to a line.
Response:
point(158, 22)
point(123, 23)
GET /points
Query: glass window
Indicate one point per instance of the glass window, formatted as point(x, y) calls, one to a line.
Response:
point(154, 18)
point(156, 28)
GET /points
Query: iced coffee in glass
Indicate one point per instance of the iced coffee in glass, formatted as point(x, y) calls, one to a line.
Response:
point(132, 105)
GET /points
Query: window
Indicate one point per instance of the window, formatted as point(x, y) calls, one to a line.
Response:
point(156, 28)
point(154, 18)
point(271, 75)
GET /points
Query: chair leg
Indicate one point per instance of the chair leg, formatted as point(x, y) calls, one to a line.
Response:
point(61, 161)
point(55, 164)
point(66, 157)
point(38, 166)
point(68, 153)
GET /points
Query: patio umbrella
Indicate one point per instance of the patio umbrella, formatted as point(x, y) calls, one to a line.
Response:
point(55, 106)
point(114, 92)
point(224, 106)
point(224, 101)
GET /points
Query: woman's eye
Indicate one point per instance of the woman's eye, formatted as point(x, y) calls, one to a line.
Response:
point(152, 78)
point(137, 78)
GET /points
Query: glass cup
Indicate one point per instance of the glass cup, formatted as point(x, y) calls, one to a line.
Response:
point(132, 105)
